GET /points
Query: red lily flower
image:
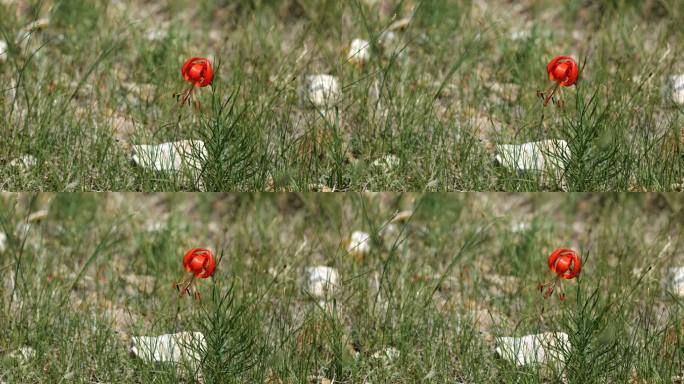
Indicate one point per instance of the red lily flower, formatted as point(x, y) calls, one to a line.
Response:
point(198, 72)
point(566, 264)
point(563, 70)
point(201, 263)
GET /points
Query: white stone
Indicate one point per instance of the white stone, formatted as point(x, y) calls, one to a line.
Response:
point(23, 354)
point(520, 226)
point(386, 163)
point(172, 156)
point(389, 233)
point(387, 355)
point(400, 24)
point(676, 83)
point(543, 348)
point(675, 280)
point(155, 226)
point(24, 162)
point(392, 229)
point(533, 156)
point(25, 33)
point(156, 34)
point(547, 156)
point(322, 281)
point(359, 243)
point(3, 50)
point(183, 347)
point(520, 34)
point(3, 242)
point(402, 216)
point(37, 216)
point(323, 91)
point(359, 51)
point(390, 43)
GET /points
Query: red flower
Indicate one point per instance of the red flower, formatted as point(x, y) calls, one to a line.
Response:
point(563, 70)
point(198, 71)
point(200, 262)
point(565, 263)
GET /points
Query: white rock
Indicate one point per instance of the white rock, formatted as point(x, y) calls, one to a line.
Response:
point(183, 347)
point(676, 84)
point(520, 226)
point(543, 348)
point(37, 216)
point(549, 157)
point(359, 52)
point(400, 24)
point(3, 242)
point(386, 163)
point(25, 33)
point(156, 34)
point(675, 280)
point(520, 34)
point(323, 91)
point(22, 229)
point(23, 354)
point(322, 281)
point(389, 233)
point(24, 162)
point(3, 50)
point(402, 216)
point(387, 355)
point(390, 43)
point(172, 156)
point(533, 156)
point(359, 243)
point(155, 226)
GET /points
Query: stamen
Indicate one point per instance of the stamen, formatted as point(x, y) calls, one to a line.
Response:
point(551, 91)
point(186, 95)
point(184, 287)
point(549, 292)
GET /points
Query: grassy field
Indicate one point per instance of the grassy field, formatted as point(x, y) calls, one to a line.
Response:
point(89, 80)
point(83, 273)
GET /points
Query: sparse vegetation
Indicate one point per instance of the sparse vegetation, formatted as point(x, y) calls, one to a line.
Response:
point(89, 80)
point(87, 272)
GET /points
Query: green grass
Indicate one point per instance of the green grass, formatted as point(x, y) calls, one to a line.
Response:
point(77, 94)
point(438, 288)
